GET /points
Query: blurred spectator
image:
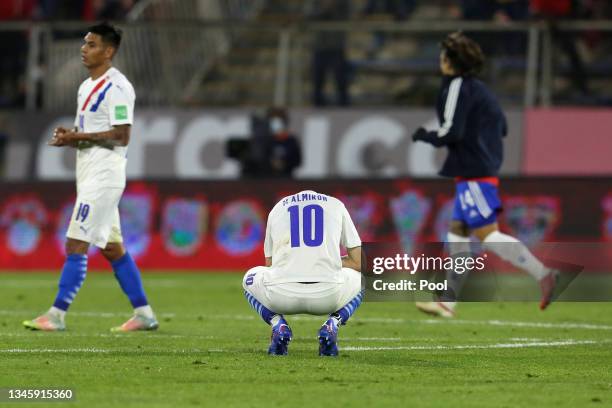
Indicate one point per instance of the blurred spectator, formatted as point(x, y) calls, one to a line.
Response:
point(283, 151)
point(116, 10)
point(14, 52)
point(399, 9)
point(271, 149)
point(16, 9)
point(552, 11)
point(551, 8)
point(498, 10)
point(501, 11)
point(600, 9)
point(329, 50)
point(3, 144)
point(47, 9)
point(107, 9)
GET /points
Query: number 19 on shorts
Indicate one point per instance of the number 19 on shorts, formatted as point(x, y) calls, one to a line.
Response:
point(83, 212)
point(310, 224)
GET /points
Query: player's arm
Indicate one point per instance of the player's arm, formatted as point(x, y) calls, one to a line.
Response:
point(268, 242)
point(117, 136)
point(352, 259)
point(456, 108)
point(57, 141)
point(349, 238)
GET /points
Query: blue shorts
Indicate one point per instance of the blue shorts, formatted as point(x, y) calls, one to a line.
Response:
point(476, 203)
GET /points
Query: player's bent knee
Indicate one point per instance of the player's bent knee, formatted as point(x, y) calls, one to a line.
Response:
point(249, 278)
point(113, 251)
point(75, 246)
point(458, 228)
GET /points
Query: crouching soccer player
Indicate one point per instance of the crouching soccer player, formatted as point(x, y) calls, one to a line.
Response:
point(304, 271)
point(102, 132)
point(472, 127)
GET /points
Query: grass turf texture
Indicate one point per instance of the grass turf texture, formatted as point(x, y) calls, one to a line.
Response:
point(211, 351)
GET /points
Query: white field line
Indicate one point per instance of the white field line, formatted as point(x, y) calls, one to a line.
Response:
point(30, 334)
point(33, 313)
point(500, 323)
point(529, 339)
point(100, 351)
point(563, 343)
point(52, 284)
point(481, 346)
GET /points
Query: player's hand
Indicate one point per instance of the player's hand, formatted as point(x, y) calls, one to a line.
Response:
point(61, 137)
point(419, 134)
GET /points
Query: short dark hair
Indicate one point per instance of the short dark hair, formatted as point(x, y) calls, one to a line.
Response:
point(464, 54)
point(110, 34)
point(278, 112)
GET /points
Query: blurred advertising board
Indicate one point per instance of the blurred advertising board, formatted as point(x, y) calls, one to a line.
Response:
point(190, 144)
point(220, 225)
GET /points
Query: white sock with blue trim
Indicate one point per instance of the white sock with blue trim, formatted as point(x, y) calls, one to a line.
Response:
point(457, 245)
point(275, 319)
point(514, 251)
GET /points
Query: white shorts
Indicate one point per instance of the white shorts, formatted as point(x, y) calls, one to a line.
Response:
point(292, 298)
point(95, 217)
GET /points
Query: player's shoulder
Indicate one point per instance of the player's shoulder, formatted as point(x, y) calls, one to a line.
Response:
point(310, 196)
point(120, 80)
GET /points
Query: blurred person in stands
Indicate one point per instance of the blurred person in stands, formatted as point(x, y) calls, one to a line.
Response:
point(115, 10)
point(282, 151)
point(501, 12)
point(106, 9)
point(472, 125)
point(328, 52)
point(552, 11)
point(3, 144)
point(14, 52)
point(399, 9)
point(272, 150)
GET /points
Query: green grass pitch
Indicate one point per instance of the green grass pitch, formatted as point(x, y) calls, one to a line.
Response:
point(211, 351)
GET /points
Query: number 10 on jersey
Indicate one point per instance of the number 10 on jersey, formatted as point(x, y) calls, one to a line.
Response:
point(310, 223)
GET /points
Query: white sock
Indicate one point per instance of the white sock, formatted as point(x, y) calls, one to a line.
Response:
point(514, 251)
point(450, 305)
point(57, 312)
point(275, 319)
point(145, 311)
point(457, 244)
point(337, 320)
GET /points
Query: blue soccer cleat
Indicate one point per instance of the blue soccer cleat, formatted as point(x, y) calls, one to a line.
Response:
point(281, 336)
point(328, 337)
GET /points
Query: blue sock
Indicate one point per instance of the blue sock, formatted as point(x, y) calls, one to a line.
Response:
point(128, 275)
point(73, 275)
point(347, 311)
point(265, 313)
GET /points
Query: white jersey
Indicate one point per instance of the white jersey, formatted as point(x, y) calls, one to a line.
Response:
point(106, 102)
point(303, 236)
